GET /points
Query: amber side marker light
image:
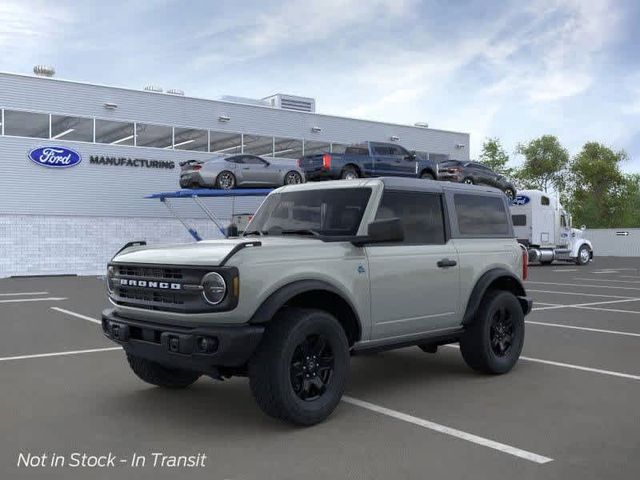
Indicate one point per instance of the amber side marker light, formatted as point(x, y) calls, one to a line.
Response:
point(236, 286)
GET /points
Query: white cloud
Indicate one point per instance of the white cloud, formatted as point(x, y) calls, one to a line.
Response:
point(30, 27)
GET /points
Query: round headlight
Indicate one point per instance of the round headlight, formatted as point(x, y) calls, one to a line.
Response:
point(214, 288)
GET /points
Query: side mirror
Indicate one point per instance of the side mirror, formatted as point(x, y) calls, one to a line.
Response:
point(266, 163)
point(583, 228)
point(382, 231)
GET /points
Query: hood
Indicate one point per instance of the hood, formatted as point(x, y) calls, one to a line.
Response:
point(208, 252)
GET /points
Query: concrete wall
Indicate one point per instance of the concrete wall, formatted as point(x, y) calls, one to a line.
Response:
point(607, 242)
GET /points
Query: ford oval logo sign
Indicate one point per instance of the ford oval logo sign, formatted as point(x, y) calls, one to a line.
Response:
point(521, 200)
point(55, 157)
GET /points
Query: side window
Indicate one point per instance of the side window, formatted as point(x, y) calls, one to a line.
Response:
point(519, 220)
point(397, 151)
point(544, 201)
point(420, 213)
point(481, 215)
point(563, 221)
point(253, 160)
point(235, 160)
point(381, 150)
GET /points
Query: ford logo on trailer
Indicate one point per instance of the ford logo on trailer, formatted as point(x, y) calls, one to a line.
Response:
point(520, 200)
point(55, 157)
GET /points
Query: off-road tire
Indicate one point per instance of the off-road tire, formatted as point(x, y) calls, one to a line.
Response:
point(468, 181)
point(349, 172)
point(270, 367)
point(427, 176)
point(159, 375)
point(475, 343)
point(579, 258)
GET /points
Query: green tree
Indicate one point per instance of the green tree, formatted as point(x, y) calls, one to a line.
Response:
point(545, 163)
point(495, 157)
point(601, 196)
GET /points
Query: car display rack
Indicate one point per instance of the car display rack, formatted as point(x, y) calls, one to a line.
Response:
point(196, 195)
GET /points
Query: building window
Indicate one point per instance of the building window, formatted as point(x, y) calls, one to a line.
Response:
point(315, 148)
point(157, 136)
point(287, 148)
point(71, 128)
point(191, 139)
point(338, 147)
point(26, 124)
point(225, 142)
point(114, 133)
point(258, 145)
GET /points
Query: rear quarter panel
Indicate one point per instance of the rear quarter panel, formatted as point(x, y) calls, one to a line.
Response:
point(479, 255)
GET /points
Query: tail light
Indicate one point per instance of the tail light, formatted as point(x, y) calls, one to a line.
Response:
point(525, 262)
point(299, 162)
point(196, 167)
point(326, 161)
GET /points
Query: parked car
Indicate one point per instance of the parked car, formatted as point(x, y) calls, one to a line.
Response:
point(475, 173)
point(322, 272)
point(226, 172)
point(368, 159)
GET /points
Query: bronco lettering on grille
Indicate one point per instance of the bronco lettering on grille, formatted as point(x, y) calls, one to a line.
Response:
point(146, 284)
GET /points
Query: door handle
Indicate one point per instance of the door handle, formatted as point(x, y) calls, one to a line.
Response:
point(446, 263)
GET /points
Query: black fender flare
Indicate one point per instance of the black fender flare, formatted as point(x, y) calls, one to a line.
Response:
point(280, 297)
point(507, 281)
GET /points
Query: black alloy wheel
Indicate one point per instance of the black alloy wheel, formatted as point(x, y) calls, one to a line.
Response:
point(501, 332)
point(468, 181)
point(311, 367)
point(509, 193)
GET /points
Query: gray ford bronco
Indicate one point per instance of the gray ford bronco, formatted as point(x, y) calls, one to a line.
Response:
point(325, 271)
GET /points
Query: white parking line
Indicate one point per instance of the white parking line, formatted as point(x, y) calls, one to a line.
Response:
point(469, 437)
point(614, 310)
point(58, 354)
point(570, 366)
point(74, 314)
point(576, 293)
point(564, 270)
point(22, 293)
point(23, 300)
point(606, 280)
point(586, 329)
point(584, 305)
point(584, 285)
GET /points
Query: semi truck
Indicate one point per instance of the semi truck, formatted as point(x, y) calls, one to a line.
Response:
point(544, 227)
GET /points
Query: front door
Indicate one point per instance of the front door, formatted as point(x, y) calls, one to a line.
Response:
point(254, 171)
point(414, 283)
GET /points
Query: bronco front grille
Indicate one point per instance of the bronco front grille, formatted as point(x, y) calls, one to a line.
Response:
point(168, 289)
point(149, 272)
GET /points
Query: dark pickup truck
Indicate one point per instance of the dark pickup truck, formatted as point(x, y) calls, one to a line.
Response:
point(368, 159)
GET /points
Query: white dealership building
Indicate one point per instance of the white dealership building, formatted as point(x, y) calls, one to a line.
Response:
point(126, 144)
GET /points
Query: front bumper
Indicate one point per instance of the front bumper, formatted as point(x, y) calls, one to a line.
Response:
point(181, 347)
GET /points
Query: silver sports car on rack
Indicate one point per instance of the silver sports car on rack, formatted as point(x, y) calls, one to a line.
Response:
point(242, 170)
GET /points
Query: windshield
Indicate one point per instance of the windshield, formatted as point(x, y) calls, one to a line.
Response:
point(329, 212)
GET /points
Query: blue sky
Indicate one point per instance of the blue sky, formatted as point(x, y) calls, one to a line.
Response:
point(515, 70)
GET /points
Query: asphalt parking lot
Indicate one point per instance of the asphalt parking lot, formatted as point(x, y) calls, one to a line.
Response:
point(570, 408)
